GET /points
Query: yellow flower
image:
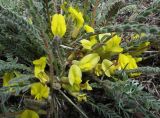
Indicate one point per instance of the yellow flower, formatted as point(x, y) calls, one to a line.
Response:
point(29, 114)
point(39, 91)
point(113, 45)
point(74, 90)
point(80, 96)
point(127, 62)
point(77, 16)
point(98, 70)
point(75, 75)
point(86, 86)
point(100, 36)
point(88, 29)
point(43, 77)
point(40, 65)
point(89, 61)
point(58, 25)
point(78, 19)
point(136, 36)
point(108, 67)
point(87, 44)
point(7, 77)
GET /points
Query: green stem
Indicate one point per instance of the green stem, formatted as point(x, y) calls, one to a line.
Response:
point(55, 5)
point(51, 69)
point(94, 13)
point(47, 11)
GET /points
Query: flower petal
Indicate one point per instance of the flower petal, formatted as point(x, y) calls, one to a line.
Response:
point(7, 77)
point(58, 25)
point(86, 86)
point(106, 65)
point(88, 28)
point(127, 62)
point(113, 45)
point(75, 75)
point(39, 91)
point(77, 16)
point(86, 44)
point(29, 114)
point(88, 62)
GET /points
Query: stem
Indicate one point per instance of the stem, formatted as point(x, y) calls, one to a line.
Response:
point(50, 59)
point(94, 13)
point(9, 114)
point(59, 53)
point(55, 5)
point(51, 70)
point(47, 11)
point(61, 8)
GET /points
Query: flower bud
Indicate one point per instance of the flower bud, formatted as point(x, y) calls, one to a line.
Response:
point(58, 25)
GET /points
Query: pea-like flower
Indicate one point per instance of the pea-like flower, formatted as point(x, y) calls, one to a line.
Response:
point(77, 16)
point(113, 45)
point(39, 67)
point(108, 67)
point(88, 28)
point(39, 91)
point(127, 62)
point(75, 75)
point(29, 114)
point(88, 44)
point(86, 86)
point(78, 19)
point(98, 70)
point(89, 61)
point(7, 77)
point(58, 25)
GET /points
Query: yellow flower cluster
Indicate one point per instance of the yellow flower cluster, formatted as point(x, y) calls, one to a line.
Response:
point(98, 60)
point(74, 87)
point(40, 89)
point(110, 48)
